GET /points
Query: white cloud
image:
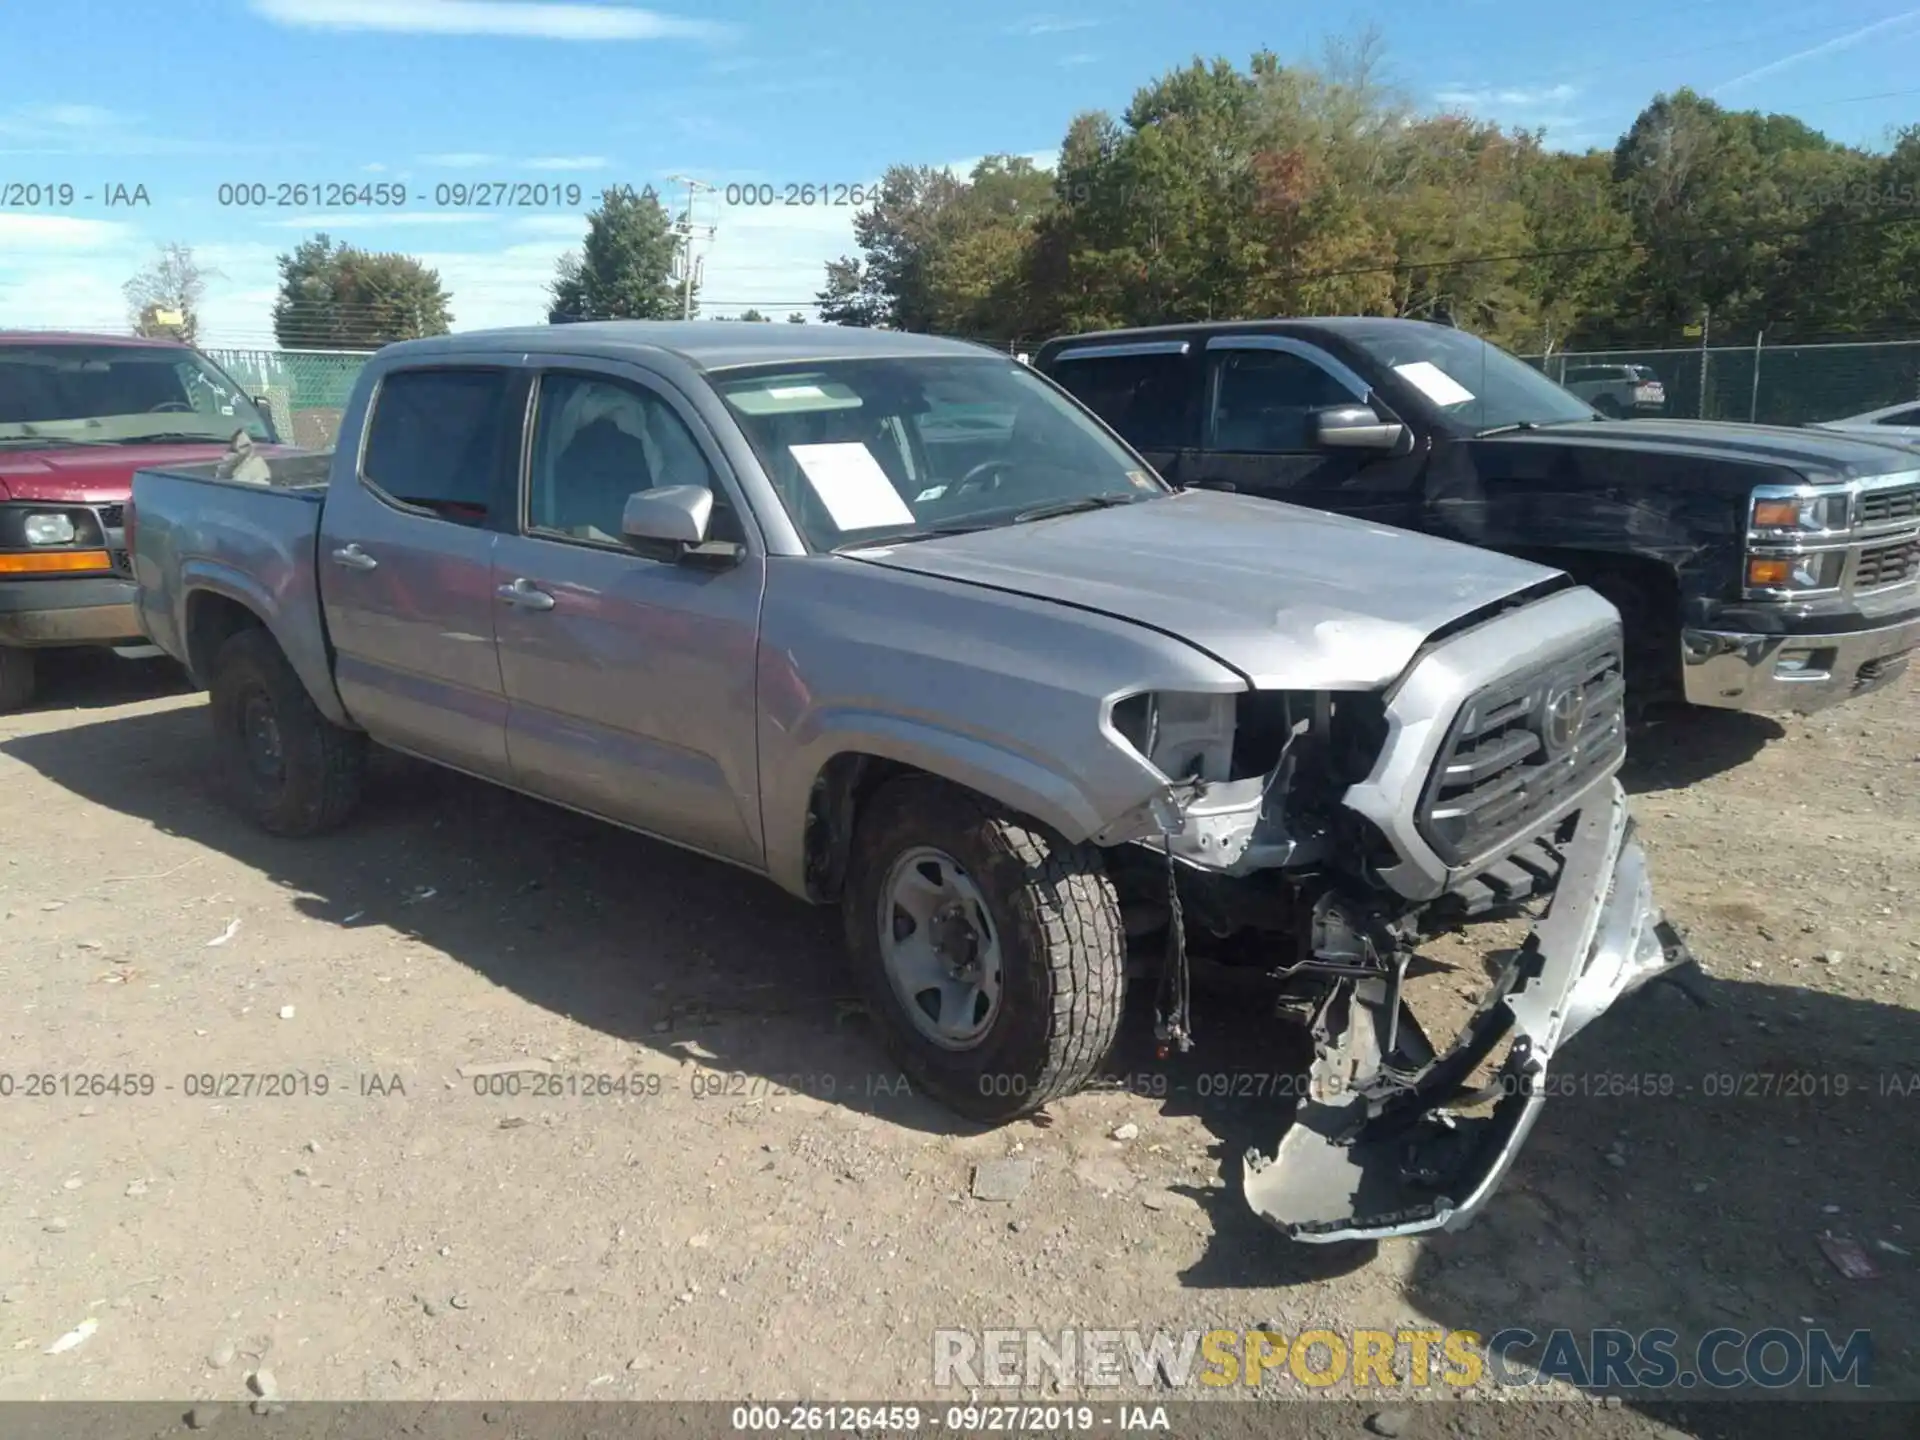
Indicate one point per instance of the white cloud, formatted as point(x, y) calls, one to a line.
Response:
point(373, 219)
point(25, 230)
point(460, 159)
point(1049, 25)
point(1826, 47)
point(568, 162)
point(1481, 98)
point(70, 117)
point(524, 19)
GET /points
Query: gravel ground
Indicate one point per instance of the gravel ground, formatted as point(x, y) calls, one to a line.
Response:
point(719, 1187)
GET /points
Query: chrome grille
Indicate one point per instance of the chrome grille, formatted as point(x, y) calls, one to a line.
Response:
point(1883, 507)
point(1881, 566)
point(1521, 747)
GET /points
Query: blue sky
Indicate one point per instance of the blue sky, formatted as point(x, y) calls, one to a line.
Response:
point(182, 98)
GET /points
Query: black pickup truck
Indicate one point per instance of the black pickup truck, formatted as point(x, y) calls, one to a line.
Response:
point(1754, 567)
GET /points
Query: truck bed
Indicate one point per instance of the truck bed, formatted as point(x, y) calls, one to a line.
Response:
point(200, 531)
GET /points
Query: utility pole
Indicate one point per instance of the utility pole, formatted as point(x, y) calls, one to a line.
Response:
point(688, 231)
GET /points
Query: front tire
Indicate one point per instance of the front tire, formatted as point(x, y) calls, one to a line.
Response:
point(991, 949)
point(16, 679)
point(287, 766)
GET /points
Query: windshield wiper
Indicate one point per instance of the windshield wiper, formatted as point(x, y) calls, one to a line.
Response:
point(170, 436)
point(901, 537)
point(1507, 429)
point(1074, 506)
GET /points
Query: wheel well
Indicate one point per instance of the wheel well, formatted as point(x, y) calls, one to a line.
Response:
point(1650, 583)
point(212, 620)
point(840, 791)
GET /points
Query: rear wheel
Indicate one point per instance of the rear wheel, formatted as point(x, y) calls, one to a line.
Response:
point(284, 763)
point(16, 679)
point(991, 949)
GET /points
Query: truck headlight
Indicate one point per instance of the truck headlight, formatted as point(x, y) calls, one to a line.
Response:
point(1819, 571)
point(1787, 514)
point(1179, 732)
point(48, 529)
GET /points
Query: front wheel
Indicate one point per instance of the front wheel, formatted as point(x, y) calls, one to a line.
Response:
point(991, 949)
point(284, 763)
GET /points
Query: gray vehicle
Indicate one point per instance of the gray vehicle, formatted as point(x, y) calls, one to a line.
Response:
point(1898, 424)
point(897, 624)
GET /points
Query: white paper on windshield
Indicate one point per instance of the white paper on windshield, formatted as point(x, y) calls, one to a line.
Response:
point(1433, 382)
point(851, 484)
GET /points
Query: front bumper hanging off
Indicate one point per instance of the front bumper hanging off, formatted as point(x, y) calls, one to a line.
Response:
point(1382, 1157)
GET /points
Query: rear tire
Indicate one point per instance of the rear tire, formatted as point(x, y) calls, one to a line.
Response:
point(16, 679)
point(1039, 916)
point(292, 770)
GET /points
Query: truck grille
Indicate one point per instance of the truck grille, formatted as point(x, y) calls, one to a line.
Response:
point(1883, 565)
point(1883, 507)
point(112, 517)
point(1522, 746)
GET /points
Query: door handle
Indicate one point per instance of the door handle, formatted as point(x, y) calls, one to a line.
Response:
point(526, 595)
point(352, 557)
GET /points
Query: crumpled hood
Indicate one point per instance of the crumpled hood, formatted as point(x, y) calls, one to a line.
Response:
point(1817, 454)
point(1291, 598)
point(95, 474)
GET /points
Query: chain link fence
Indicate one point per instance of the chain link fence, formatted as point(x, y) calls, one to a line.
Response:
point(1778, 385)
point(305, 389)
point(1773, 385)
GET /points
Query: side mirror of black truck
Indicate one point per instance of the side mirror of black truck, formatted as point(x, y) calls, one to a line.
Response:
point(1354, 427)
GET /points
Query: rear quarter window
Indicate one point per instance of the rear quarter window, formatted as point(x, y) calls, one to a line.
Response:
point(1150, 401)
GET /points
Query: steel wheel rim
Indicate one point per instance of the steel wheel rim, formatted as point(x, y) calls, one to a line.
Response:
point(260, 740)
point(939, 948)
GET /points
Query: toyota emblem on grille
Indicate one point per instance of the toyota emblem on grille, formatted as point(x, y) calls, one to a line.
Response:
point(1566, 711)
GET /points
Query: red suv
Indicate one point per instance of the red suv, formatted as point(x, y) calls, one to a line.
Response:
point(78, 415)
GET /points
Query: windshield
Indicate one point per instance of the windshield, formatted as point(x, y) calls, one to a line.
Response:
point(118, 395)
point(878, 450)
point(1471, 386)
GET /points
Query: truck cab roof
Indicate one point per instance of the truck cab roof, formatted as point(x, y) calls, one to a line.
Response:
point(704, 344)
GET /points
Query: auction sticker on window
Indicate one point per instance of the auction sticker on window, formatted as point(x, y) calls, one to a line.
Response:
point(851, 484)
point(1433, 382)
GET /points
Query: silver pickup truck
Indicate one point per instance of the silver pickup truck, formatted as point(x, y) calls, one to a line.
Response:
point(895, 623)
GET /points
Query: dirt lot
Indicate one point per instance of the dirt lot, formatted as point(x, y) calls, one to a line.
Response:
point(766, 1210)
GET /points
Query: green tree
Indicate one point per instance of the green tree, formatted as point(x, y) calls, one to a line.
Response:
point(339, 297)
point(625, 270)
point(794, 317)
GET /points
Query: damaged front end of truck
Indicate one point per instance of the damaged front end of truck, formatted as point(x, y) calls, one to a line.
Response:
point(1372, 849)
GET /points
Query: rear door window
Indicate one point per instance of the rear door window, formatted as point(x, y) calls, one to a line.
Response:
point(1148, 400)
point(437, 441)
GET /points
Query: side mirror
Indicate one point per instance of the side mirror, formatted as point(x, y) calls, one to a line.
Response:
point(671, 522)
point(677, 514)
point(1354, 427)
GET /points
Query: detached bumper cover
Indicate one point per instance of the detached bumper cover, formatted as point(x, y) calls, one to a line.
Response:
point(1388, 1158)
point(1793, 672)
point(83, 610)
